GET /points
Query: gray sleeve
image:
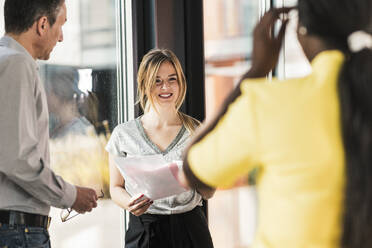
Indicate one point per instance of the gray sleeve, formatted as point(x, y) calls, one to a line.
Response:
point(113, 146)
point(21, 161)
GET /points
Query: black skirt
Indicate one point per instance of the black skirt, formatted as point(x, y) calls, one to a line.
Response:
point(186, 230)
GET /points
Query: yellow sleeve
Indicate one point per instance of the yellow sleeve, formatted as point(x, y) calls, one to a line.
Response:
point(226, 153)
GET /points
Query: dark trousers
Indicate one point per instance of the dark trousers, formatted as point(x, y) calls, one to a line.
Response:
point(21, 236)
point(186, 230)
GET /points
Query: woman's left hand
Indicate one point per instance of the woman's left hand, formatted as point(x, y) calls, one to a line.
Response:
point(266, 47)
point(138, 205)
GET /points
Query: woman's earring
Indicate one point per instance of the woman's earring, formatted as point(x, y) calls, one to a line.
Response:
point(302, 30)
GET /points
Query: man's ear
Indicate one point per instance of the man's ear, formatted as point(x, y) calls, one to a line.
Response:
point(42, 25)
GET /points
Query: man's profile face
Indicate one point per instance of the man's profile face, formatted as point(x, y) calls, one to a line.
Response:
point(54, 34)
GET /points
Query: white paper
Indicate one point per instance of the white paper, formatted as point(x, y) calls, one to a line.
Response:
point(151, 175)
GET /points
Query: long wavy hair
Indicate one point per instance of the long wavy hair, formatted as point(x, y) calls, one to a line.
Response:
point(333, 21)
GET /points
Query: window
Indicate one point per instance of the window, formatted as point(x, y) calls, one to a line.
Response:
point(228, 27)
point(80, 81)
point(292, 62)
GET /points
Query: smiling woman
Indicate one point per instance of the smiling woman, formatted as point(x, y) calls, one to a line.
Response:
point(166, 88)
point(178, 220)
point(161, 79)
point(169, 74)
point(166, 85)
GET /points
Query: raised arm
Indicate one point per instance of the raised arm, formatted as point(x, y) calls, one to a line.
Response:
point(220, 132)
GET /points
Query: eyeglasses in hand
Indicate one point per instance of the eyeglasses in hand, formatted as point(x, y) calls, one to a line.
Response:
point(66, 213)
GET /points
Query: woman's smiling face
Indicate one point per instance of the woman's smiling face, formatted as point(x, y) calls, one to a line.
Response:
point(166, 88)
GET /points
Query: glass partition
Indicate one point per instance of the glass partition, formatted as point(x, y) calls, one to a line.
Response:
point(81, 85)
point(228, 27)
point(292, 62)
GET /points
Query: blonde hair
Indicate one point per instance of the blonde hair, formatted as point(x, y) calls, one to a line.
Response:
point(146, 79)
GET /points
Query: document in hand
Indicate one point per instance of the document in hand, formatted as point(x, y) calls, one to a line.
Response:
point(151, 175)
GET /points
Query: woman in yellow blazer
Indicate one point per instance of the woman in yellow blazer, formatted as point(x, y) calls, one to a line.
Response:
point(311, 137)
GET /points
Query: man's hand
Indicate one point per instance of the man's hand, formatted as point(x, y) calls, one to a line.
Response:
point(86, 200)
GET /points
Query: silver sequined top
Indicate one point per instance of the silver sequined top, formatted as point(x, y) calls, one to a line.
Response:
point(130, 139)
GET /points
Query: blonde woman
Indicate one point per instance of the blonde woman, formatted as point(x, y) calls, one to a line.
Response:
point(175, 221)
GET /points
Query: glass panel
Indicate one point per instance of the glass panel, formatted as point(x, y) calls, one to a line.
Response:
point(292, 62)
point(2, 30)
point(80, 81)
point(228, 27)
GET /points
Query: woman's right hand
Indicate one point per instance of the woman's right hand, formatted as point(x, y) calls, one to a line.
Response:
point(138, 205)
